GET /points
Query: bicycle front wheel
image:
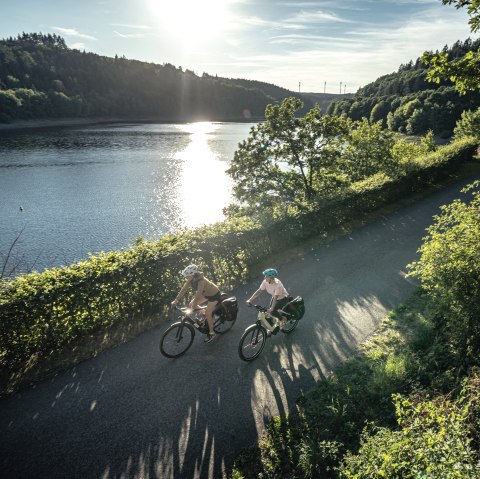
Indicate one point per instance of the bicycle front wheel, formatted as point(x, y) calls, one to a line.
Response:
point(252, 342)
point(177, 339)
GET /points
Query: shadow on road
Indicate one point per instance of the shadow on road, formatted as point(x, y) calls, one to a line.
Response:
point(131, 413)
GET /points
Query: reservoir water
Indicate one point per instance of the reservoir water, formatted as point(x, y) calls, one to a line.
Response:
point(69, 192)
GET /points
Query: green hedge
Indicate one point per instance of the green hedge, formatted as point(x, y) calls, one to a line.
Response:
point(41, 312)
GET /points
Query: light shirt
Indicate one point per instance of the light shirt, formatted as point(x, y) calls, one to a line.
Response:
point(275, 288)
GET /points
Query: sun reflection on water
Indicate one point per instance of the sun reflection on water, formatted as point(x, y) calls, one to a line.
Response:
point(203, 188)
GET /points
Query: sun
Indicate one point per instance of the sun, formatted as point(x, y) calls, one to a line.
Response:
point(191, 21)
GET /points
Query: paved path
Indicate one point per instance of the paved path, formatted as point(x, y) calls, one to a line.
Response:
point(131, 413)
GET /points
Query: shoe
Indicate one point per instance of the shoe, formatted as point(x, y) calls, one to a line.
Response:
point(276, 328)
point(283, 322)
point(210, 337)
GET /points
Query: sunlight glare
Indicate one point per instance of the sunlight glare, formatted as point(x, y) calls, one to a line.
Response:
point(191, 21)
point(203, 187)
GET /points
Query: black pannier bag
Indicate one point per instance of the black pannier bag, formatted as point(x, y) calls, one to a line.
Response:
point(296, 306)
point(228, 306)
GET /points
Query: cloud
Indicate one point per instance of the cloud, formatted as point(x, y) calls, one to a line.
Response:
point(71, 32)
point(316, 17)
point(130, 35)
point(127, 25)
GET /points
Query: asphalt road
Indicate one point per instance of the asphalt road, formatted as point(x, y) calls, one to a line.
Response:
point(132, 413)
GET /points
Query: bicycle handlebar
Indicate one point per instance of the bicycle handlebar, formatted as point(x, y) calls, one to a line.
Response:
point(260, 308)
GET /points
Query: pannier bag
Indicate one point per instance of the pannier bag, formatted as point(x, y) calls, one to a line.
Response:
point(228, 306)
point(296, 306)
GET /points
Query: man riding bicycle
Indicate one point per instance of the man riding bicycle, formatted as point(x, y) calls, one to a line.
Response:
point(204, 290)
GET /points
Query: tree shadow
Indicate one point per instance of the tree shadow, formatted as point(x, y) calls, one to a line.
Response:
point(132, 413)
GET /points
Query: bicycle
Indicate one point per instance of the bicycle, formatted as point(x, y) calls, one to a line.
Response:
point(178, 338)
point(255, 336)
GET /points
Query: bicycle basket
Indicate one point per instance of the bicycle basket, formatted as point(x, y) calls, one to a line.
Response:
point(296, 307)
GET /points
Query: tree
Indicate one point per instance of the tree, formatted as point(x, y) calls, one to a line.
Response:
point(288, 162)
point(468, 125)
point(368, 150)
point(449, 270)
point(463, 72)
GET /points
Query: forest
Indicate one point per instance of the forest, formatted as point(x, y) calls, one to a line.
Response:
point(42, 78)
point(406, 102)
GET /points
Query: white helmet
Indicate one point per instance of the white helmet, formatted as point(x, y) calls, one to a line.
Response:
point(190, 269)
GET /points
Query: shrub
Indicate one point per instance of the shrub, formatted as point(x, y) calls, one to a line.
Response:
point(449, 269)
point(435, 439)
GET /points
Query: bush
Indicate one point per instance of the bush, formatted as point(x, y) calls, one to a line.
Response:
point(436, 439)
point(468, 125)
point(449, 269)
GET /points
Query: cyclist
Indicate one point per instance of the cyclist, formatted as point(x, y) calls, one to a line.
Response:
point(273, 286)
point(204, 290)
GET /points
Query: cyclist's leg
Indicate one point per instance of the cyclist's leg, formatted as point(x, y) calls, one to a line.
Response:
point(279, 305)
point(208, 314)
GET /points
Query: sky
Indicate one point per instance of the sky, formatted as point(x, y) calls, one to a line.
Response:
point(320, 46)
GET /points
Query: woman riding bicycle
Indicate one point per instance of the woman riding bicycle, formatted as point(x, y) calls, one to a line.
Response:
point(204, 290)
point(273, 286)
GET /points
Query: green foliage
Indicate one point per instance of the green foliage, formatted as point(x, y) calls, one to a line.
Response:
point(70, 83)
point(449, 269)
point(42, 312)
point(435, 439)
point(368, 150)
point(289, 165)
point(407, 102)
point(464, 72)
point(473, 10)
point(348, 426)
point(286, 162)
point(468, 125)
point(332, 416)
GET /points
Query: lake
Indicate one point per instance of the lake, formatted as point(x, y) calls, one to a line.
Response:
point(73, 191)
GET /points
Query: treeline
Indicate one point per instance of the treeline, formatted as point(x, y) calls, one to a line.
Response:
point(40, 77)
point(406, 102)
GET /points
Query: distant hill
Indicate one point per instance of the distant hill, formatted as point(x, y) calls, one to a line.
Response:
point(325, 99)
point(41, 78)
point(404, 101)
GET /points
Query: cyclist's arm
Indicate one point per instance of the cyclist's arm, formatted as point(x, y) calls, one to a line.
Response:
point(182, 292)
point(255, 295)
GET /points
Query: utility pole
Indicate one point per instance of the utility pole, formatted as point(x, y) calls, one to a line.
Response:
point(340, 88)
point(325, 88)
point(299, 84)
point(344, 88)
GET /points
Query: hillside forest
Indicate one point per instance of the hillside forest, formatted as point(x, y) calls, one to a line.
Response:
point(42, 78)
point(407, 102)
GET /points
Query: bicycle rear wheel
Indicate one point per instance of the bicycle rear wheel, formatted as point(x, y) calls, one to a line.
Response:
point(221, 324)
point(289, 325)
point(252, 342)
point(177, 339)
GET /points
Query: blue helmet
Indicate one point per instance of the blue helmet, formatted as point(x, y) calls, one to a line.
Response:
point(270, 273)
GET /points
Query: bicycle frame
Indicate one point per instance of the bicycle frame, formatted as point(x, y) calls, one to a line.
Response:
point(187, 317)
point(264, 310)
